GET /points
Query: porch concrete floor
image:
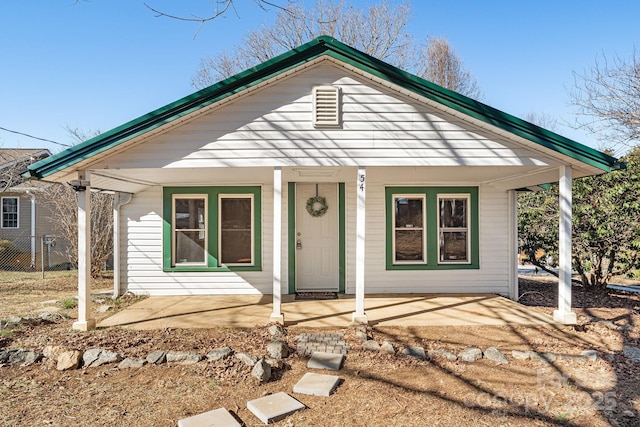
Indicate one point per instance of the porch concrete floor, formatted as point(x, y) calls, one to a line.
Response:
point(382, 310)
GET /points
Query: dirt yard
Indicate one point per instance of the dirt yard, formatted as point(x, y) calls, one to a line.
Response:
point(376, 389)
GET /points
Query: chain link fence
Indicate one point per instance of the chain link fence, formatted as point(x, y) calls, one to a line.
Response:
point(25, 255)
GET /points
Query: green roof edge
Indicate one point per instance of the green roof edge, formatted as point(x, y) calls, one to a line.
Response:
point(323, 45)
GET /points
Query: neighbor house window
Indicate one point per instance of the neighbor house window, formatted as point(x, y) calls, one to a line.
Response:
point(409, 229)
point(453, 228)
point(236, 229)
point(212, 228)
point(189, 230)
point(431, 228)
point(10, 206)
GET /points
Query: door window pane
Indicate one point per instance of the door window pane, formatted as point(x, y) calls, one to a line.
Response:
point(236, 230)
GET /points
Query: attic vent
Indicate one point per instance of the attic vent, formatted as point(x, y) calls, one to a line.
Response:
point(326, 106)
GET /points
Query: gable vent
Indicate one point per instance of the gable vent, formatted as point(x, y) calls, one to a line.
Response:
point(326, 106)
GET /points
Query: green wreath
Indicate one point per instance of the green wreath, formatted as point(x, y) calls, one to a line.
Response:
point(317, 206)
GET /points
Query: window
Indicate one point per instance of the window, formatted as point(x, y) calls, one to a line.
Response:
point(189, 240)
point(212, 228)
point(408, 229)
point(10, 207)
point(453, 232)
point(236, 223)
point(432, 228)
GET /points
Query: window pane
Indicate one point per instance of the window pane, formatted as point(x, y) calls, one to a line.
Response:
point(409, 245)
point(453, 246)
point(236, 235)
point(190, 247)
point(10, 212)
point(189, 214)
point(453, 213)
point(408, 213)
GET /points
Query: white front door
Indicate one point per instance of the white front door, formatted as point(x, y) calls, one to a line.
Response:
point(317, 240)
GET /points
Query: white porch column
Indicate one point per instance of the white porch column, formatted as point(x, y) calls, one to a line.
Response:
point(564, 314)
point(513, 245)
point(276, 315)
point(359, 315)
point(83, 192)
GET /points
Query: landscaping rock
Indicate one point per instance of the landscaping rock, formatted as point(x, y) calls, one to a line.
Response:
point(104, 308)
point(495, 355)
point(631, 353)
point(278, 349)
point(387, 348)
point(4, 355)
point(183, 357)
point(261, 371)
point(275, 363)
point(520, 355)
point(470, 354)
point(24, 357)
point(371, 345)
point(247, 359)
point(446, 354)
point(52, 352)
point(157, 357)
point(416, 352)
point(277, 331)
point(219, 353)
point(132, 362)
point(68, 360)
point(98, 357)
point(547, 357)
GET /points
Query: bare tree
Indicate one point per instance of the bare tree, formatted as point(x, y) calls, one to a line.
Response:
point(380, 31)
point(544, 120)
point(607, 97)
point(62, 202)
point(441, 65)
point(13, 163)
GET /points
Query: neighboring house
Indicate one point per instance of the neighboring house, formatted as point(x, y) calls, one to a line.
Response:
point(323, 169)
point(24, 218)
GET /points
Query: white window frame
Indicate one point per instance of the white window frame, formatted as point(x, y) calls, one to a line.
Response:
point(423, 227)
point(174, 261)
point(252, 233)
point(3, 213)
point(466, 229)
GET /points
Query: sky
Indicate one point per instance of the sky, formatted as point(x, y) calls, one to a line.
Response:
point(96, 64)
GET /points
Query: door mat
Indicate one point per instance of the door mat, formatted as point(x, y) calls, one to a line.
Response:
point(316, 295)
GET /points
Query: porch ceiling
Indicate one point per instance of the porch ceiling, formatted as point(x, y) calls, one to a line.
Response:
point(503, 177)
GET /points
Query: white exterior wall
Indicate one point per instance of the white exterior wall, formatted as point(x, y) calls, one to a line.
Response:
point(142, 254)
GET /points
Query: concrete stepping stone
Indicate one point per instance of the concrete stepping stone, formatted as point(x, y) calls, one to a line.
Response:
point(217, 418)
point(322, 360)
point(316, 384)
point(274, 407)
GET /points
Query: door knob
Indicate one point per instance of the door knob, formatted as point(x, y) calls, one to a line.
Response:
point(299, 244)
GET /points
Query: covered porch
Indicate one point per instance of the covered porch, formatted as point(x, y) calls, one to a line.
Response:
point(382, 310)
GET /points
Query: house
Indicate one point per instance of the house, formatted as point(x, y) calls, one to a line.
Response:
point(24, 219)
point(323, 169)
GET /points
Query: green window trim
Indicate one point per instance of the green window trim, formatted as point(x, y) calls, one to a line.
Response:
point(431, 195)
point(213, 195)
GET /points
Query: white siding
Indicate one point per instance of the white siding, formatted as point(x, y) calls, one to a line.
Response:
point(492, 276)
point(273, 126)
point(142, 254)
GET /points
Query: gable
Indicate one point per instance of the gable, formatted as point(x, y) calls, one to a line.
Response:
point(455, 106)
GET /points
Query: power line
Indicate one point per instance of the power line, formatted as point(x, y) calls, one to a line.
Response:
point(34, 137)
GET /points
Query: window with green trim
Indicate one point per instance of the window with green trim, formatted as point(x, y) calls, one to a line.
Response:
point(431, 228)
point(212, 228)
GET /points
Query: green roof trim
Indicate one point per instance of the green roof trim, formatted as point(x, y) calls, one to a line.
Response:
point(323, 45)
